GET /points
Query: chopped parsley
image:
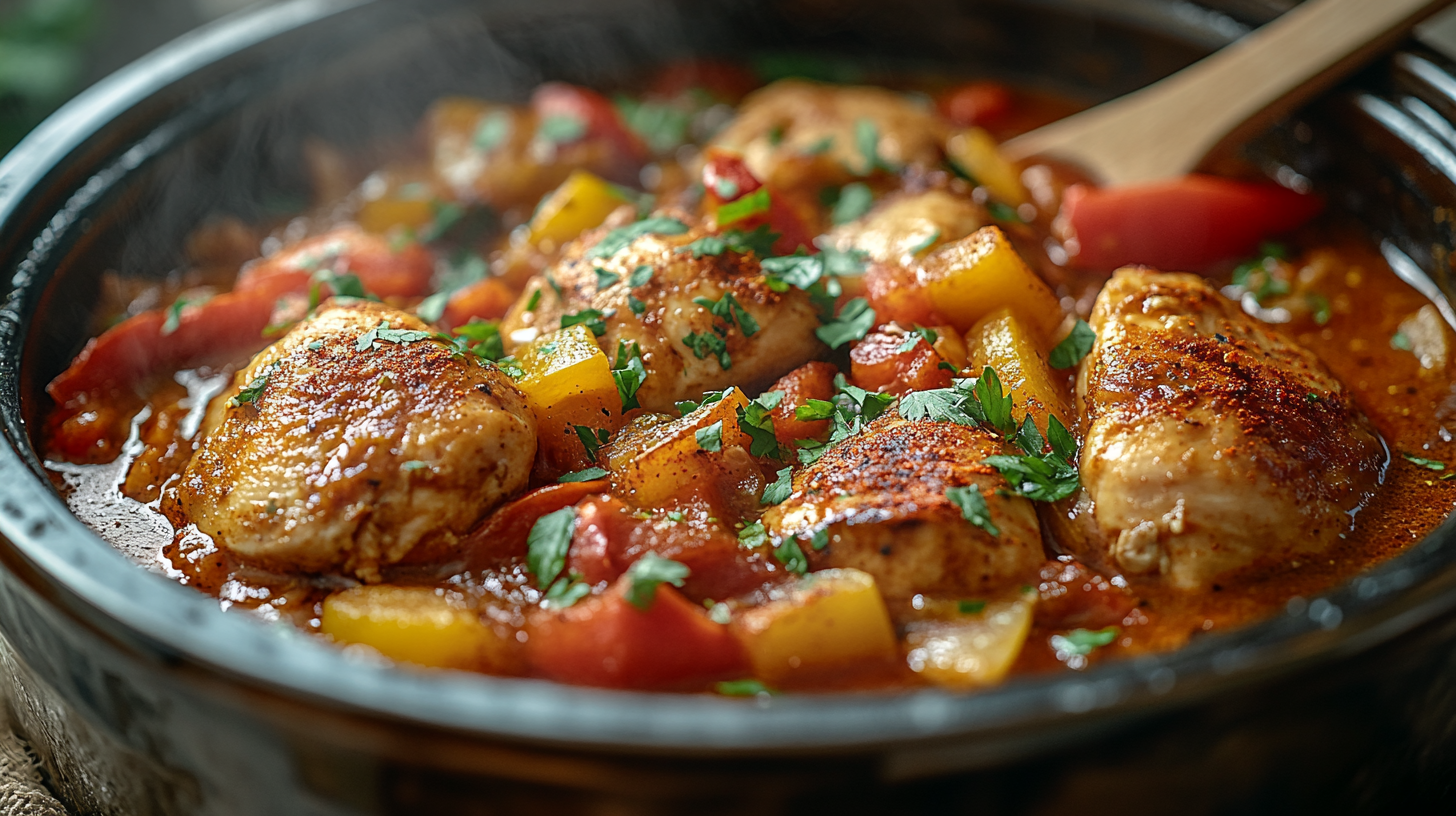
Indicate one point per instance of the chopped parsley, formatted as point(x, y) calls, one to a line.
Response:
point(759, 242)
point(913, 339)
point(791, 556)
point(370, 340)
point(1073, 347)
point(719, 613)
point(819, 147)
point(174, 316)
point(710, 438)
point(675, 516)
point(756, 420)
point(548, 543)
point(1400, 341)
point(1319, 308)
point(662, 127)
point(754, 203)
point(971, 607)
point(341, 285)
point(414, 464)
point(591, 474)
point(492, 132)
point(853, 201)
point(853, 322)
point(250, 393)
point(781, 488)
point(315, 345)
point(1080, 642)
point(560, 129)
point(867, 141)
point(566, 592)
point(820, 539)
point(710, 398)
point(973, 507)
point(640, 276)
point(593, 319)
point(926, 243)
point(479, 337)
point(1257, 275)
point(1041, 475)
point(636, 306)
point(753, 536)
point(605, 279)
point(1004, 212)
point(853, 408)
point(1428, 464)
point(647, 573)
point(533, 301)
point(629, 373)
point(592, 439)
point(743, 688)
point(730, 311)
point(622, 237)
point(709, 343)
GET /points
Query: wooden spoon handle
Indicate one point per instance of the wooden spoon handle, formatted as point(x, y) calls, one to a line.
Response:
point(1170, 127)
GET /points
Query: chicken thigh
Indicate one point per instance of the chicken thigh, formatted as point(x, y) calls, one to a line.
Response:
point(687, 349)
point(354, 442)
point(881, 498)
point(1212, 443)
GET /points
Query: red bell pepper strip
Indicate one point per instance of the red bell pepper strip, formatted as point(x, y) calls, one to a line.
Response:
point(1182, 223)
point(227, 328)
point(383, 269)
point(604, 640)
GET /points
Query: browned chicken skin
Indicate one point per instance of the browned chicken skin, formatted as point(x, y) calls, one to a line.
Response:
point(785, 321)
point(1212, 443)
point(881, 496)
point(351, 458)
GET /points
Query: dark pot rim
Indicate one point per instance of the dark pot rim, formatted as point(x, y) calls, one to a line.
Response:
point(162, 621)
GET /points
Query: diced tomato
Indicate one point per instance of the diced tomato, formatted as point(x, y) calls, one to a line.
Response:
point(503, 534)
point(384, 270)
point(1182, 223)
point(878, 364)
point(596, 113)
point(609, 539)
point(1075, 597)
point(975, 103)
point(809, 381)
point(727, 179)
point(604, 640)
point(488, 299)
point(725, 81)
point(895, 294)
point(89, 434)
point(227, 328)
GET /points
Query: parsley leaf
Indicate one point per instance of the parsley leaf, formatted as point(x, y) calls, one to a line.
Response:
point(592, 439)
point(753, 536)
point(781, 489)
point(605, 279)
point(622, 237)
point(970, 607)
point(820, 539)
point(973, 507)
point(710, 438)
point(629, 372)
point(1004, 212)
point(1400, 341)
point(593, 319)
point(913, 339)
point(1073, 347)
point(1319, 308)
point(742, 688)
point(560, 129)
point(708, 343)
point(759, 242)
point(174, 316)
point(855, 199)
point(854, 321)
point(927, 243)
point(867, 140)
point(479, 337)
point(814, 410)
point(730, 311)
point(639, 277)
point(493, 129)
point(749, 205)
point(995, 405)
point(566, 592)
point(710, 398)
point(755, 420)
point(791, 556)
point(663, 127)
point(1081, 642)
point(254, 389)
point(591, 474)
point(647, 573)
point(370, 340)
point(547, 544)
point(1429, 464)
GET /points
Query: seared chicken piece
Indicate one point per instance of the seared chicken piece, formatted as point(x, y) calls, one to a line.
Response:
point(782, 339)
point(881, 498)
point(348, 445)
point(903, 226)
point(1212, 443)
point(794, 127)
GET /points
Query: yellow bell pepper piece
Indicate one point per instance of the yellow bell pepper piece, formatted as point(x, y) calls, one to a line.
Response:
point(970, 278)
point(654, 457)
point(974, 650)
point(415, 625)
point(832, 618)
point(582, 202)
point(568, 382)
point(975, 152)
point(1003, 342)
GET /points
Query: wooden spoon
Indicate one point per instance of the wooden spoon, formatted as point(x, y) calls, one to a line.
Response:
point(1173, 126)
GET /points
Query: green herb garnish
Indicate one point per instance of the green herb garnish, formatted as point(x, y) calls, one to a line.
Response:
point(1073, 347)
point(973, 507)
point(647, 573)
